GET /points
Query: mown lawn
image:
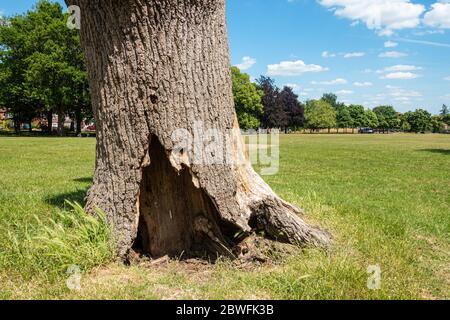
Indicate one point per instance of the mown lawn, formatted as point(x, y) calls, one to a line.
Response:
point(386, 200)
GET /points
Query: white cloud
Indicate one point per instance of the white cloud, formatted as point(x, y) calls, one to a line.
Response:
point(344, 92)
point(363, 84)
point(247, 63)
point(384, 16)
point(399, 92)
point(439, 15)
point(447, 78)
point(332, 82)
point(427, 32)
point(427, 43)
point(385, 32)
point(402, 99)
point(401, 68)
point(396, 94)
point(390, 44)
point(392, 54)
point(293, 68)
point(400, 76)
point(327, 54)
point(354, 55)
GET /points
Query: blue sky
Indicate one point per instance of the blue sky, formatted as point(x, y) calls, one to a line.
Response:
point(368, 52)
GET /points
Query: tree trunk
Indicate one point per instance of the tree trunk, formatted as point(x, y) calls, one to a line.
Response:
point(50, 122)
point(156, 67)
point(61, 121)
point(78, 121)
point(16, 125)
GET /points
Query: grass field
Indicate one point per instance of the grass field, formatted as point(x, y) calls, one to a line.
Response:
point(385, 198)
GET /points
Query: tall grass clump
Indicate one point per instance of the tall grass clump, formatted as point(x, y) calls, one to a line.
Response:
point(47, 248)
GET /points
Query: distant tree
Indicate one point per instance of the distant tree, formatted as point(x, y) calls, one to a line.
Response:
point(444, 111)
point(274, 114)
point(293, 108)
point(371, 119)
point(420, 120)
point(446, 119)
point(358, 114)
point(343, 118)
point(319, 114)
point(405, 126)
point(387, 117)
point(48, 63)
point(445, 114)
point(437, 124)
point(331, 98)
point(247, 100)
point(14, 93)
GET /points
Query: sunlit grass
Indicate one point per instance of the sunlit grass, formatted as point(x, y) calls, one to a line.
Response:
point(385, 198)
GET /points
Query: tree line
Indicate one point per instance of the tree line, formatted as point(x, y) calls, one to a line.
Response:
point(42, 73)
point(263, 105)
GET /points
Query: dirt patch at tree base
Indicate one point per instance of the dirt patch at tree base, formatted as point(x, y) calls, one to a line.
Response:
point(250, 253)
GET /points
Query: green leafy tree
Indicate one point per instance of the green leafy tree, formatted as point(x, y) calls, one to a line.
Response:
point(331, 98)
point(247, 100)
point(405, 126)
point(48, 62)
point(371, 119)
point(444, 111)
point(320, 114)
point(387, 117)
point(420, 120)
point(343, 117)
point(445, 114)
point(437, 124)
point(358, 114)
point(14, 93)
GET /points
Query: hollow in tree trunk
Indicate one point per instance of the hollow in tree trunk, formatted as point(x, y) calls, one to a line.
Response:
point(156, 67)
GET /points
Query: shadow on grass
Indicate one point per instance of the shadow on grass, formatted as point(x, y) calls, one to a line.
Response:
point(84, 180)
point(440, 151)
point(59, 200)
point(78, 196)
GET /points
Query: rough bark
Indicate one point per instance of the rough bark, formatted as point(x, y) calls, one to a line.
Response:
point(61, 120)
point(156, 67)
point(78, 121)
point(16, 125)
point(49, 121)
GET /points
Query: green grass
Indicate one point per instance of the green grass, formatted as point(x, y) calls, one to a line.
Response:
point(386, 200)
